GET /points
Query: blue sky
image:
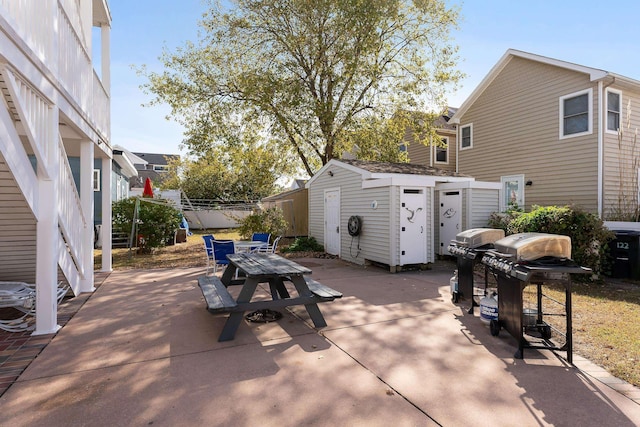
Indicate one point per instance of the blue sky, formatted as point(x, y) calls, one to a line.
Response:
point(588, 32)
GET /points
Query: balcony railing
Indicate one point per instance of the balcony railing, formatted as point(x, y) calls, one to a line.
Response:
point(52, 29)
point(71, 219)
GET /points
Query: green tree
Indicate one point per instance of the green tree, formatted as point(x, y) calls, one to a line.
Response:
point(228, 175)
point(307, 75)
point(156, 220)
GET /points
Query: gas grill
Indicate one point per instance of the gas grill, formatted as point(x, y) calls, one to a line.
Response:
point(532, 258)
point(468, 247)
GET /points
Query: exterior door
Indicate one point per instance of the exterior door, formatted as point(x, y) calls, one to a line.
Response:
point(450, 218)
point(513, 192)
point(413, 226)
point(332, 222)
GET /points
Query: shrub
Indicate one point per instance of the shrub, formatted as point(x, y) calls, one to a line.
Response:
point(157, 221)
point(589, 236)
point(269, 220)
point(503, 219)
point(304, 244)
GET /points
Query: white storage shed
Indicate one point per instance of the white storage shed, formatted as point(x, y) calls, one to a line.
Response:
point(461, 206)
point(378, 212)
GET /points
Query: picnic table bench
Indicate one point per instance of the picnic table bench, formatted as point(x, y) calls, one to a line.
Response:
point(263, 268)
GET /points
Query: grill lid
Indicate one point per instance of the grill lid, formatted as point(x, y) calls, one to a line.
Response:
point(532, 246)
point(476, 237)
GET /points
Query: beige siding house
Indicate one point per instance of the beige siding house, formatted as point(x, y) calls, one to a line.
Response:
point(55, 106)
point(548, 131)
point(442, 156)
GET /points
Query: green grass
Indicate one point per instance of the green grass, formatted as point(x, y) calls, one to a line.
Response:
point(188, 254)
point(606, 325)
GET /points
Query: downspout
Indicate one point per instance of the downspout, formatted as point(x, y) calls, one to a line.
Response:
point(431, 150)
point(600, 147)
point(457, 146)
point(601, 130)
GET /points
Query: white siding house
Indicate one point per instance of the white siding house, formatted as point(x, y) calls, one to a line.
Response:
point(55, 106)
point(394, 204)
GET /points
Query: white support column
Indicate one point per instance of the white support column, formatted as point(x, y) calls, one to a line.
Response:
point(47, 236)
point(106, 215)
point(105, 57)
point(86, 201)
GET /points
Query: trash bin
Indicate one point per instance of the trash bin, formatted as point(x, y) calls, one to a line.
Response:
point(625, 254)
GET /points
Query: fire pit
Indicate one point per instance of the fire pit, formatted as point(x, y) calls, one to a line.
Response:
point(531, 258)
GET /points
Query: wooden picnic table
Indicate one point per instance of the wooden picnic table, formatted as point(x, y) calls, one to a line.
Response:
point(263, 268)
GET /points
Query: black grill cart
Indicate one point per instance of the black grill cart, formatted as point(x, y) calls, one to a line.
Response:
point(468, 248)
point(535, 259)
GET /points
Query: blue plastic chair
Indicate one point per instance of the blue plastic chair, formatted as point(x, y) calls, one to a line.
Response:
point(222, 248)
point(208, 247)
point(260, 237)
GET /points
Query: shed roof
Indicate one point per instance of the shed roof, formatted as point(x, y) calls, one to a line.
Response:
point(400, 168)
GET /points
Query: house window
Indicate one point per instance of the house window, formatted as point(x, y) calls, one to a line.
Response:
point(614, 107)
point(513, 192)
point(119, 188)
point(575, 114)
point(466, 137)
point(160, 168)
point(442, 152)
point(96, 180)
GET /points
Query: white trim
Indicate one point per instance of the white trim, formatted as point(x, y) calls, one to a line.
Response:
point(605, 103)
point(508, 178)
point(638, 186)
point(124, 161)
point(469, 184)
point(470, 126)
point(446, 150)
point(589, 131)
point(600, 200)
point(457, 169)
point(337, 164)
point(412, 181)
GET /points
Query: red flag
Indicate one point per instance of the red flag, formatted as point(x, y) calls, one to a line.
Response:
point(148, 191)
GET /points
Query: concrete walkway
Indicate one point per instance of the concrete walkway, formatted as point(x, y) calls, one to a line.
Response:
point(143, 350)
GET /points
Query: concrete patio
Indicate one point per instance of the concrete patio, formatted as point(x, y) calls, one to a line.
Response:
point(143, 350)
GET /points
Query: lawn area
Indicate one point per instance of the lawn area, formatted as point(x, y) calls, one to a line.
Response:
point(606, 325)
point(606, 315)
point(189, 254)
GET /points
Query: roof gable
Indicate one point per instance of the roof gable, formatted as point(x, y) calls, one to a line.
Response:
point(594, 74)
point(370, 170)
point(156, 159)
point(398, 168)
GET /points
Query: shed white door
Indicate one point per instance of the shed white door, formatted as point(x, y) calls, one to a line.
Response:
point(413, 226)
point(450, 218)
point(332, 221)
